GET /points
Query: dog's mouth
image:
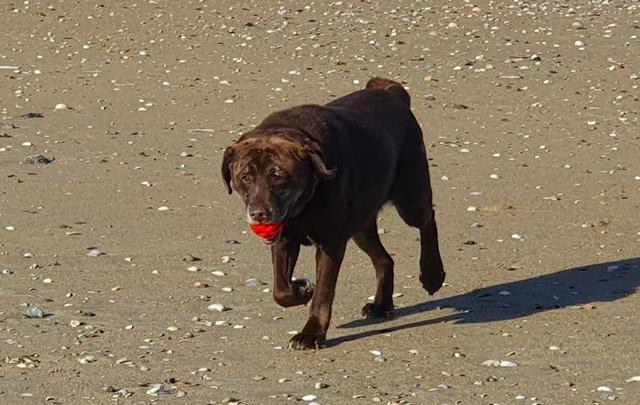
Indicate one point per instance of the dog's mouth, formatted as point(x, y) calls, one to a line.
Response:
point(268, 233)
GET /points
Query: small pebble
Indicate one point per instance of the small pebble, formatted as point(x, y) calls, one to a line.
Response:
point(33, 312)
point(60, 106)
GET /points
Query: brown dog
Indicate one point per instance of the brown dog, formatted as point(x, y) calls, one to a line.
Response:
point(319, 175)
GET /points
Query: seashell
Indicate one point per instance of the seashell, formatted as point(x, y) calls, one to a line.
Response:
point(157, 390)
point(87, 359)
point(37, 160)
point(95, 253)
point(218, 307)
point(254, 282)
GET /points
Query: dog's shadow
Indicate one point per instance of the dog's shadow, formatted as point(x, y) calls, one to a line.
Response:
point(578, 286)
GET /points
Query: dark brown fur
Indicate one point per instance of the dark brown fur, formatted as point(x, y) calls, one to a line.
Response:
point(326, 171)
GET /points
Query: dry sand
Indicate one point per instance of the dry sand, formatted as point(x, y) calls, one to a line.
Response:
point(531, 117)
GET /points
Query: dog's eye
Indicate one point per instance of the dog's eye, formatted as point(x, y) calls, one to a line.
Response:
point(278, 175)
point(246, 178)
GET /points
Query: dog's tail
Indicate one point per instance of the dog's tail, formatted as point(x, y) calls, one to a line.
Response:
point(390, 86)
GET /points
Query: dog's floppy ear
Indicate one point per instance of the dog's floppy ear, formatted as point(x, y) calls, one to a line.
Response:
point(320, 167)
point(227, 159)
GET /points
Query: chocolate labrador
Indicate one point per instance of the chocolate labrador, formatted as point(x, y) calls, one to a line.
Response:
point(319, 175)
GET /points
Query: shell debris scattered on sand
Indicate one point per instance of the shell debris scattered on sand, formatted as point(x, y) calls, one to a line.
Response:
point(530, 113)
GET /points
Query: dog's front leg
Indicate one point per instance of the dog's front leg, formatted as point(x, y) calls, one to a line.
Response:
point(328, 260)
point(287, 293)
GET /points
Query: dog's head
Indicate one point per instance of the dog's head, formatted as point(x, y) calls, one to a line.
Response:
point(275, 173)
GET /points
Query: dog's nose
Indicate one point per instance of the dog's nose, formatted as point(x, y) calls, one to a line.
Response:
point(258, 215)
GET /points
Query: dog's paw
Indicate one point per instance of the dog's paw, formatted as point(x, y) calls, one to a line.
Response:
point(303, 341)
point(303, 288)
point(377, 311)
point(432, 281)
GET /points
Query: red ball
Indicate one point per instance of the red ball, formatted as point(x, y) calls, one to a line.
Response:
point(266, 231)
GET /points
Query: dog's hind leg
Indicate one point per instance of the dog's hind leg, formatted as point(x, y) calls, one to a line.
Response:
point(413, 199)
point(368, 240)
